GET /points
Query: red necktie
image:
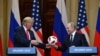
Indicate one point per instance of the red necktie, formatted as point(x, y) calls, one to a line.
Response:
point(27, 34)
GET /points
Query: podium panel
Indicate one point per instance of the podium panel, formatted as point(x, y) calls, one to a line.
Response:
point(83, 50)
point(16, 51)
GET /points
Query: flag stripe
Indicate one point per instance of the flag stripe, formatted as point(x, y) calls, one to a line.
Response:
point(60, 31)
point(60, 5)
point(10, 43)
point(58, 43)
point(41, 51)
point(98, 22)
point(86, 29)
point(83, 30)
point(39, 34)
point(97, 42)
point(15, 10)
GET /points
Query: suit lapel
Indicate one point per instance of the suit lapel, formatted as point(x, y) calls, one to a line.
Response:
point(23, 31)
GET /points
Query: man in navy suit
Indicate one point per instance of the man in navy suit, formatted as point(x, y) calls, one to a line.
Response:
point(24, 37)
point(74, 39)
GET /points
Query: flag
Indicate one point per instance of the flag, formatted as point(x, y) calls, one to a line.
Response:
point(82, 25)
point(14, 21)
point(59, 28)
point(97, 33)
point(1, 49)
point(37, 29)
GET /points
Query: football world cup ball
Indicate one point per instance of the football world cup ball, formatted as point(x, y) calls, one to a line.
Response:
point(52, 40)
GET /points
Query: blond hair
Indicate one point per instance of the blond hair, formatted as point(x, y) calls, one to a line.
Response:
point(27, 19)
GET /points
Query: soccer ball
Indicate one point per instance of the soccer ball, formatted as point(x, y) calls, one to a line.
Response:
point(52, 40)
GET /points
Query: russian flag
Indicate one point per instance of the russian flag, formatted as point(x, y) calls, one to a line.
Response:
point(14, 21)
point(59, 29)
point(1, 48)
point(97, 33)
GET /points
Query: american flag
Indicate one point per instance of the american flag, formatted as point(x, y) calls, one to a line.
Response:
point(37, 29)
point(82, 20)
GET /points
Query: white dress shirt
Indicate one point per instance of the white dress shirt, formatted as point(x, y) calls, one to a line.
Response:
point(28, 33)
point(73, 34)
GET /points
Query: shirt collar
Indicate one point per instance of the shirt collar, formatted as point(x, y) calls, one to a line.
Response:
point(74, 33)
point(24, 28)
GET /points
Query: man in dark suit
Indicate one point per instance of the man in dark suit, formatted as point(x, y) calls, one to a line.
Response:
point(24, 37)
point(74, 39)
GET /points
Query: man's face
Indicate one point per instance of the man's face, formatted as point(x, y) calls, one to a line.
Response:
point(29, 25)
point(70, 29)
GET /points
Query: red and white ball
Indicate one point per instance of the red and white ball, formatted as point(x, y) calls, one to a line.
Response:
point(52, 40)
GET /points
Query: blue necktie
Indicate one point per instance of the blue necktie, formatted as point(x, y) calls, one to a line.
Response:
point(71, 39)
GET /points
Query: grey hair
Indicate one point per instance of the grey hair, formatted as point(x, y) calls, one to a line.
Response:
point(72, 24)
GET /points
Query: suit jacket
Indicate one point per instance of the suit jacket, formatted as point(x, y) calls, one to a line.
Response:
point(20, 39)
point(79, 40)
